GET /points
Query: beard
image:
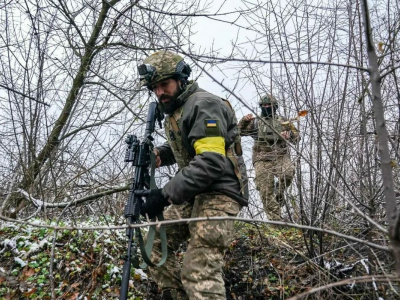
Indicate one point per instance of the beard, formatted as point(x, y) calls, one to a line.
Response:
point(173, 104)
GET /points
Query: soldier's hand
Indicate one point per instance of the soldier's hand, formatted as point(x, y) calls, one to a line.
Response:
point(158, 158)
point(248, 117)
point(155, 202)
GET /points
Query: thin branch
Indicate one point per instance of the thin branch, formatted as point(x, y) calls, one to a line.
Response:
point(261, 61)
point(41, 204)
point(23, 95)
point(370, 278)
point(189, 220)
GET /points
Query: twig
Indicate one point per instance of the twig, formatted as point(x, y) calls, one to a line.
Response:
point(168, 222)
point(354, 280)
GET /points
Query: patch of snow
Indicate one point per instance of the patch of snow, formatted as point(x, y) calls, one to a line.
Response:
point(37, 221)
point(35, 247)
point(114, 270)
point(20, 262)
point(352, 285)
point(36, 202)
point(10, 244)
point(331, 265)
point(345, 269)
point(142, 274)
point(374, 284)
point(363, 262)
point(327, 265)
point(11, 225)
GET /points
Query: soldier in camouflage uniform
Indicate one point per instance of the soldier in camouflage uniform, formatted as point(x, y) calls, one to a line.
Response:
point(200, 129)
point(271, 157)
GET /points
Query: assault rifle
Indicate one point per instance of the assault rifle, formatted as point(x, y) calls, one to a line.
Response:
point(142, 157)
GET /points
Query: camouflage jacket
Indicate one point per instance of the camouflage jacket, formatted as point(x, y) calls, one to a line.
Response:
point(199, 135)
point(268, 144)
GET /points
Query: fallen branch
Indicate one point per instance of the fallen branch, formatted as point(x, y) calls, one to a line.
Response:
point(380, 278)
point(168, 222)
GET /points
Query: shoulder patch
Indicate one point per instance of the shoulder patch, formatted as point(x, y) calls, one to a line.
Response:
point(212, 127)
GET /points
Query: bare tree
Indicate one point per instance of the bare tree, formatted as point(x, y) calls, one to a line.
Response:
point(69, 92)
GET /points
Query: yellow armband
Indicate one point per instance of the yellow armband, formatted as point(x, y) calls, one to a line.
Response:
point(210, 144)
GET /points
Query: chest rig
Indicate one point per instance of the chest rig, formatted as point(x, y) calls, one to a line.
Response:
point(174, 138)
point(268, 130)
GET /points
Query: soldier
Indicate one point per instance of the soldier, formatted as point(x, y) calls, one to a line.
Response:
point(271, 154)
point(200, 129)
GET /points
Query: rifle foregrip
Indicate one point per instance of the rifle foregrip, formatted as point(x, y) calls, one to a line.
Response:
point(133, 206)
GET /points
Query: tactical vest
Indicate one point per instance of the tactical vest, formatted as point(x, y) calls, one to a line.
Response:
point(181, 154)
point(174, 138)
point(268, 130)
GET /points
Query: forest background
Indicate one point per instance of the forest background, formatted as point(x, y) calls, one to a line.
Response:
point(69, 96)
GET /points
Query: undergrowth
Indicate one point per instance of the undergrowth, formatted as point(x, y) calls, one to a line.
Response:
point(262, 262)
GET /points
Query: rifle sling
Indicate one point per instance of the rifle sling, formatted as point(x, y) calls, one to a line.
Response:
point(147, 248)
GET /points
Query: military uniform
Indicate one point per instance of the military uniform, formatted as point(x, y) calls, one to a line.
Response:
point(199, 135)
point(271, 159)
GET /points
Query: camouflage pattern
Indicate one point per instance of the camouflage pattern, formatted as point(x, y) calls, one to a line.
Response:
point(269, 130)
point(267, 149)
point(271, 158)
point(201, 272)
point(268, 99)
point(183, 158)
point(168, 275)
point(272, 197)
point(174, 139)
point(165, 63)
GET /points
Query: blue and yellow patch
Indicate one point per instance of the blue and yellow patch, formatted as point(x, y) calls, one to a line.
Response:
point(211, 123)
point(212, 127)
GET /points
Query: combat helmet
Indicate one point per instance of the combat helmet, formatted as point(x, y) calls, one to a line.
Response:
point(269, 99)
point(163, 65)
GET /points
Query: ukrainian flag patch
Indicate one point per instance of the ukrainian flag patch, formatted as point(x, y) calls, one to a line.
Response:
point(211, 123)
point(212, 127)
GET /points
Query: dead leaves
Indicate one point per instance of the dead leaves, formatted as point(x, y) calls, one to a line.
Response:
point(27, 272)
point(300, 114)
point(30, 292)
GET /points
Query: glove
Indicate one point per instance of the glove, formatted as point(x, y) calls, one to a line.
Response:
point(155, 202)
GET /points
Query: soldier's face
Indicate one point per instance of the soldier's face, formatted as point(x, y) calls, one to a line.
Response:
point(267, 110)
point(167, 92)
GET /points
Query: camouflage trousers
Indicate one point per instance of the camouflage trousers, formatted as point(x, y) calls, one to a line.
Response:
point(266, 171)
point(200, 276)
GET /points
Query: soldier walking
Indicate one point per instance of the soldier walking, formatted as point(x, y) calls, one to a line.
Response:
point(271, 158)
point(200, 129)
